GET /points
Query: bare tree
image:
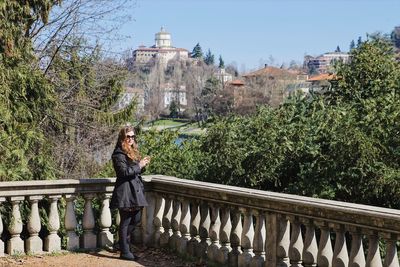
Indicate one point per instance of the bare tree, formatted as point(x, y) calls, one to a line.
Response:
point(96, 20)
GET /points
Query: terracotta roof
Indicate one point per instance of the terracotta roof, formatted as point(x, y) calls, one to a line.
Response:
point(155, 49)
point(272, 71)
point(236, 82)
point(323, 77)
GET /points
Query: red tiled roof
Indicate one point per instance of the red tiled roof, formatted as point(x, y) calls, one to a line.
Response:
point(323, 77)
point(236, 82)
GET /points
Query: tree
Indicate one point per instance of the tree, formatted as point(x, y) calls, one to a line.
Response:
point(197, 52)
point(209, 58)
point(337, 50)
point(373, 71)
point(359, 41)
point(58, 99)
point(27, 97)
point(173, 109)
point(96, 20)
point(352, 45)
point(395, 37)
point(221, 64)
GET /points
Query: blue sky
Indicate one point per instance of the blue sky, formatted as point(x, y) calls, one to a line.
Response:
point(249, 33)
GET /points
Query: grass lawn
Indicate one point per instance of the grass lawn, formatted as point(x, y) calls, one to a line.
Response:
point(166, 123)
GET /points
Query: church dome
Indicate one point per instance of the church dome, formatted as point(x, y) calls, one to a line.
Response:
point(163, 39)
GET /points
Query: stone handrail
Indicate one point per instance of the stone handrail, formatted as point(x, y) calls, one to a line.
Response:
point(223, 225)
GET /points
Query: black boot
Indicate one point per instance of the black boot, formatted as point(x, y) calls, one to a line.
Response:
point(128, 256)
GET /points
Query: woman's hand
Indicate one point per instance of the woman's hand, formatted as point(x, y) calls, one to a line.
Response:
point(144, 162)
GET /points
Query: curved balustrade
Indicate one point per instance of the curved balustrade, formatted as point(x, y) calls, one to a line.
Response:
point(229, 226)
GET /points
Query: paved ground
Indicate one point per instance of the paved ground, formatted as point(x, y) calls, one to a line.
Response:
point(148, 258)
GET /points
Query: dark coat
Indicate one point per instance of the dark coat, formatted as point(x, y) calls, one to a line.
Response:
point(129, 190)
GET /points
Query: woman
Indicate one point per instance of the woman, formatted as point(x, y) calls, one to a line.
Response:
point(128, 195)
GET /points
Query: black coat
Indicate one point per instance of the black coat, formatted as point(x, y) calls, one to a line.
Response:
point(129, 190)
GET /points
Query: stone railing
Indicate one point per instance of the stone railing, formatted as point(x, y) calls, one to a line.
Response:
point(223, 225)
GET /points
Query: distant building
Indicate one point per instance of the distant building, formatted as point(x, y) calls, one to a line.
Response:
point(223, 76)
point(273, 82)
point(322, 82)
point(323, 63)
point(162, 51)
point(131, 94)
point(174, 93)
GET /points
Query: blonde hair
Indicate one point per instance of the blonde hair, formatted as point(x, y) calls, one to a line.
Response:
point(131, 151)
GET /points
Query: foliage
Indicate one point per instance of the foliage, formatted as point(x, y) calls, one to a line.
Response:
point(168, 157)
point(395, 37)
point(221, 64)
point(79, 84)
point(173, 109)
point(209, 58)
point(197, 52)
point(26, 97)
point(88, 86)
point(344, 145)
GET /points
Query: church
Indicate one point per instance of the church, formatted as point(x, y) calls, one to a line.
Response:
point(162, 51)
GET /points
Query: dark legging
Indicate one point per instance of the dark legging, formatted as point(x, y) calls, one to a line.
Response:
point(129, 219)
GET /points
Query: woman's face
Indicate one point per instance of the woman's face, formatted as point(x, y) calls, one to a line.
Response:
point(130, 138)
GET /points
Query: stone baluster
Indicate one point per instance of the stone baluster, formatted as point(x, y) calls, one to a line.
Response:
point(175, 222)
point(71, 223)
point(148, 230)
point(106, 239)
point(15, 245)
point(89, 240)
point(357, 258)
point(282, 250)
point(296, 243)
point(34, 243)
point(184, 227)
point(259, 241)
point(236, 237)
point(310, 250)
point(224, 236)
point(205, 222)
point(325, 252)
point(374, 256)
point(2, 199)
point(271, 239)
point(391, 258)
point(194, 228)
point(53, 242)
point(340, 256)
point(166, 222)
point(158, 215)
point(247, 239)
point(213, 248)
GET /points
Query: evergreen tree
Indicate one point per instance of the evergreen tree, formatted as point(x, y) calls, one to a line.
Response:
point(197, 52)
point(221, 64)
point(352, 45)
point(395, 37)
point(173, 109)
point(337, 49)
point(209, 58)
point(359, 41)
point(28, 100)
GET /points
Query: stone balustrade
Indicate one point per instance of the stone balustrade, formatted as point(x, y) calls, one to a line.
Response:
point(223, 225)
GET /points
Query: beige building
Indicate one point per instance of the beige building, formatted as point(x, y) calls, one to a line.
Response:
point(323, 63)
point(162, 51)
point(174, 93)
point(273, 82)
